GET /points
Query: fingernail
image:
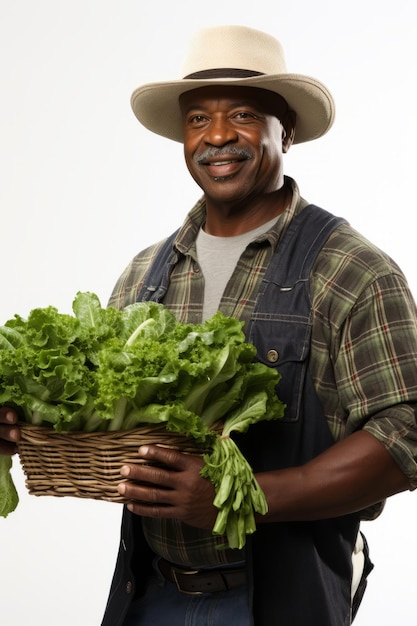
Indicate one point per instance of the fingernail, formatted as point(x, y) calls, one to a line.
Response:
point(10, 417)
point(121, 488)
point(143, 450)
point(15, 435)
point(125, 470)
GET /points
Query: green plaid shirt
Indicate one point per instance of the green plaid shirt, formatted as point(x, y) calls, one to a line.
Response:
point(363, 352)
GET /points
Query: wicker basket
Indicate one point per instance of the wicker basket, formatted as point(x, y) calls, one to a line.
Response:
point(87, 465)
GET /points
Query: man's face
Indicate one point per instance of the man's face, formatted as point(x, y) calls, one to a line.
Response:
point(233, 141)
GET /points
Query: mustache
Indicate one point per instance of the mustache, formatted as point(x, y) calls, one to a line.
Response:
point(213, 152)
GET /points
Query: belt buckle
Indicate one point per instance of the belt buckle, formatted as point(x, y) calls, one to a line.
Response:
point(176, 571)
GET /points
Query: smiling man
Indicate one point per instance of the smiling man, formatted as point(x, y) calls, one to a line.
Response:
point(327, 308)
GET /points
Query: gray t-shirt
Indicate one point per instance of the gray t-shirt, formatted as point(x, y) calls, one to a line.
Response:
point(217, 257)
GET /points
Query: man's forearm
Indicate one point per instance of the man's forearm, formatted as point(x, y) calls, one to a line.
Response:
point(351, 475)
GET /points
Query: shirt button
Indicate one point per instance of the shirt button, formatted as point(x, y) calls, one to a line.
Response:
point(129, 586)
point(272, 356)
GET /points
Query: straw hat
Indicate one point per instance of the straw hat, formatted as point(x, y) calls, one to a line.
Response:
point(241, 56)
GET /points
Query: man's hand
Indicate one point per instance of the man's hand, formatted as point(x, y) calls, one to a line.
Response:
point(9, 432)
point(169, 486)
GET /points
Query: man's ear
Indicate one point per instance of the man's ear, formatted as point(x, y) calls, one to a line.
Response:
point(288, 131)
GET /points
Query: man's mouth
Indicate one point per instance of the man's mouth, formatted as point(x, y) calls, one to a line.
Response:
point(221, 164)
point(220, 170)
point(218, 163)
point(218, 157)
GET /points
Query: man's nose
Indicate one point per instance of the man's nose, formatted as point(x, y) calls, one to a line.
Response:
point(220, 132)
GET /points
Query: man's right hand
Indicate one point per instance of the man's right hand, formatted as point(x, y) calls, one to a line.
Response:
point(9, 431)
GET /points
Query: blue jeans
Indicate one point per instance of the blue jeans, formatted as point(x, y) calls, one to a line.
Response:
point(164, 605)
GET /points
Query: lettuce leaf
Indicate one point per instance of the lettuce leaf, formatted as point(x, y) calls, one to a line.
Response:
point(8, 494)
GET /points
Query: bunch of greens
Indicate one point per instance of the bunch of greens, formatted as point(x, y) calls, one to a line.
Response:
point(105, 369)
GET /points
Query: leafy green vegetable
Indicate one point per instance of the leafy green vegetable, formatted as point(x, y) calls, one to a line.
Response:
point(105, 369)
point(8, 494)
point(238, 494)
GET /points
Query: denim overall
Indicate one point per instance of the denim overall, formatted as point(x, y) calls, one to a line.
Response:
point(300, 571)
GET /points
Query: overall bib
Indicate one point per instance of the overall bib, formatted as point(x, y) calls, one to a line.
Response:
point(302, 570)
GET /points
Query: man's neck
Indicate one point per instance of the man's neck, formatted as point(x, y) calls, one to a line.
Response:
point(225, 220)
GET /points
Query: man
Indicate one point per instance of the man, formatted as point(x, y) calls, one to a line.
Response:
point(342, 332)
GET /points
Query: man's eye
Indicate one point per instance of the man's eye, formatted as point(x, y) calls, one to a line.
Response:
point(245, 115)
point(197, 119)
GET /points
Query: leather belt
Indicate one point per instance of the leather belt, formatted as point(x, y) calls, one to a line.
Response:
point(196, 582)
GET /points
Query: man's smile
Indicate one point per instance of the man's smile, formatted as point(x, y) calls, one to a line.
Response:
point(223, 169)
point(222, 163)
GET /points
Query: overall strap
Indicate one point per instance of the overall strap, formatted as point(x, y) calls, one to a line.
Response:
point(302, 241)
point(156, 281)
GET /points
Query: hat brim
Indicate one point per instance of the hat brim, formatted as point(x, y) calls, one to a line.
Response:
point(156, 105)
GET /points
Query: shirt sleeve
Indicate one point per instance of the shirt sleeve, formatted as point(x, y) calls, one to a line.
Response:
point(376, 368)
point(364, 345)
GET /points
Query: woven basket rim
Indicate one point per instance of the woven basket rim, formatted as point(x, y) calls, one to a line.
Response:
point(87, 465)
point(32, 432)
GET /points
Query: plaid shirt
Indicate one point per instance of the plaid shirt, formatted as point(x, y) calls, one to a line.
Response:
point(363, 352)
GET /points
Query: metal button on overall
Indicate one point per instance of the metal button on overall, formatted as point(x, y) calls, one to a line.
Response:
point(272, 356)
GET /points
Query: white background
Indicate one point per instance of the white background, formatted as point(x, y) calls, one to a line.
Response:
point(84, 187)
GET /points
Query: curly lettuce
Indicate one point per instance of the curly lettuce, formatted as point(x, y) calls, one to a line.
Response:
point(105, 369)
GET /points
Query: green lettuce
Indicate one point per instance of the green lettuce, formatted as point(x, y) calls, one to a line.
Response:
point(9, 498)
point(105, 369)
